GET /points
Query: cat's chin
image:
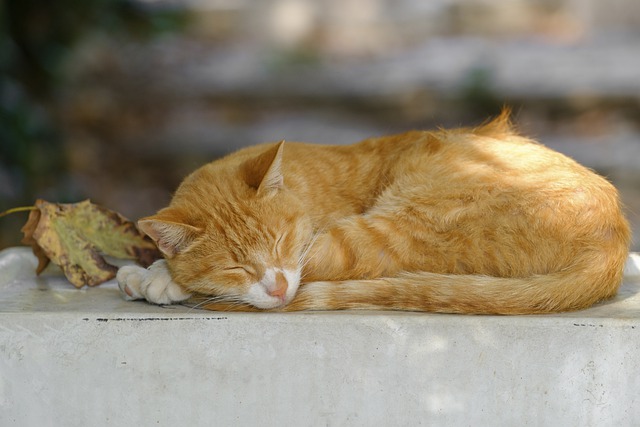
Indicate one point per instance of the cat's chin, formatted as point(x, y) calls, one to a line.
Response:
point(264, 305)
point(260, 299)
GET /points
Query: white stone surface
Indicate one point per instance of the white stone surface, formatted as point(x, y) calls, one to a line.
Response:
point(88, 358)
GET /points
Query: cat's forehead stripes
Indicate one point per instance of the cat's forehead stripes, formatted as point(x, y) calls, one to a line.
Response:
point(246, 236)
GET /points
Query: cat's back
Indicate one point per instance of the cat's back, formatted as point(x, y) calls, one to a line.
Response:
point(499, 170)
point(486, 194)
point(491, 157)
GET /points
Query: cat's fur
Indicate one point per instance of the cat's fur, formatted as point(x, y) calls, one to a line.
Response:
point(460, 221)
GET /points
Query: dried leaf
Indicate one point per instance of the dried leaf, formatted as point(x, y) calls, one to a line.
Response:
point(74, 236)
point(28, 229)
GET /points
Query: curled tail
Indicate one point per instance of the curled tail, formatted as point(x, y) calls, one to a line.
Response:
point(579, 286)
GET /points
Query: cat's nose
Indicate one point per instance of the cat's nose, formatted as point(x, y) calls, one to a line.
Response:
point(280, 288)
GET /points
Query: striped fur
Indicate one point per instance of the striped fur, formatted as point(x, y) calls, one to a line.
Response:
point(457, 221)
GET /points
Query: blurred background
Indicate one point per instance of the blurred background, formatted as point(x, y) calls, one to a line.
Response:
point(117, 100)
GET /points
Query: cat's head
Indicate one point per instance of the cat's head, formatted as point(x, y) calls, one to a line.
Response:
point(234, 230)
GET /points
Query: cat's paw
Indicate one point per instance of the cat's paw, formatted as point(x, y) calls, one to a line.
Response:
point(129, 280)
point(153, 284)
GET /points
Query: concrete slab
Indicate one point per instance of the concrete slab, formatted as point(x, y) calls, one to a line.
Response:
point(86, 357)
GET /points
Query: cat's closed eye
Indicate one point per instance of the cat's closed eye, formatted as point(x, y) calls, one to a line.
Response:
point(278, 245)
point(242, 269)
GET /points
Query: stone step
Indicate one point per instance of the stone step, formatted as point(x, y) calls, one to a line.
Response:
point(87, 357)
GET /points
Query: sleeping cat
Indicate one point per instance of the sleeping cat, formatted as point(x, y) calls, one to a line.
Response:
point(456, 221)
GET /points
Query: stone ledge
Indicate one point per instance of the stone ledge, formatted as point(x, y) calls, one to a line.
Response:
point(87, 357)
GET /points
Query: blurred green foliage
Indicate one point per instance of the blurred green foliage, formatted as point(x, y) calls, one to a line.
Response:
point(478, 95)
point(36, 37)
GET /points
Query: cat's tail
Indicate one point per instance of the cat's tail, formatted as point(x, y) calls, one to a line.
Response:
point(576, 287)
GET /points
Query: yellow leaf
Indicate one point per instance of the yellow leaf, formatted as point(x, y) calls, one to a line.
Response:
point(75, 237)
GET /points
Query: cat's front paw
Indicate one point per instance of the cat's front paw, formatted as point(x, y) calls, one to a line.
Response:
point(129, 280)
point(153, 284)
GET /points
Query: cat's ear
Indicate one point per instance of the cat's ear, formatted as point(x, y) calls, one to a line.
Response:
point(170, 237)
point(264, 173)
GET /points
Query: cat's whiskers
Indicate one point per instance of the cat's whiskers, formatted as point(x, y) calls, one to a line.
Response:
point(225, 299)
point(304, 259)
point(204, 302)
point(235, 304)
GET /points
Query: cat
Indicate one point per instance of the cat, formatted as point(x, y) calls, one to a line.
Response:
point(472, 220)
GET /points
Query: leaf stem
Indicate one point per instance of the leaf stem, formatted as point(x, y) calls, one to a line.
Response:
point(20, 209)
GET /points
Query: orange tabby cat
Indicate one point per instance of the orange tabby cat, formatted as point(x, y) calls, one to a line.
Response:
point(463, 221)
